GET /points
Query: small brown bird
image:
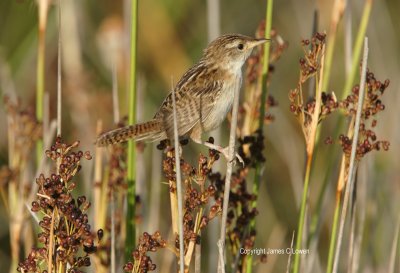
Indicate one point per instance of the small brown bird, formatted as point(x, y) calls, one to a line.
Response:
point(204, 96)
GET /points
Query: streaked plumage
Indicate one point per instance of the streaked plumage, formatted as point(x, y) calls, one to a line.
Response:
point(204, 95)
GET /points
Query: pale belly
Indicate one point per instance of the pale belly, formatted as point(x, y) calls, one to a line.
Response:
point(222, 107)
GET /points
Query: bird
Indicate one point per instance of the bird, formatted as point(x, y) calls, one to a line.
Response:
point(204, 96)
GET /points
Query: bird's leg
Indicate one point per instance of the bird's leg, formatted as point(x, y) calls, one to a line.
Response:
point(222, 150)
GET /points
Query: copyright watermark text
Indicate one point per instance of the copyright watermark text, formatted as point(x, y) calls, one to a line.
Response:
point(273, 251)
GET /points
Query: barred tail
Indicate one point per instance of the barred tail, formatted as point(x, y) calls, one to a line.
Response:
point(151, 130)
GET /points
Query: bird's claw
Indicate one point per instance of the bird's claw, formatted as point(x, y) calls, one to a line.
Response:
point(240, 159)
point(225, 152)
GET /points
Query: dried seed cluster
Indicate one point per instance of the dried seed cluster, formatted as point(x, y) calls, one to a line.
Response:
point(142, 263)
point(240, 232)
point(311, 62)
point(251, 149)
point(64, 227)
point(197, 196)
point(196, 193)
point(368, 140)
point(309, 68)
point(240, 213)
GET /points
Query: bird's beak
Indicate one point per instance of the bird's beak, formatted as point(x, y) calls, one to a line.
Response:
point(257, 42)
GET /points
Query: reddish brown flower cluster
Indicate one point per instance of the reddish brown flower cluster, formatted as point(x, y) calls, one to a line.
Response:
point(372, 105)
point(196, 193)
point(241, 211)
point(329, 104)
point(251, 149)
point(142, 263)
point(311, 62)
point(197, 198)
point(65, 227)
point(309, 66)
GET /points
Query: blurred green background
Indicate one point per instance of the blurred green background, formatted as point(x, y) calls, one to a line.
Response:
point(172, 34)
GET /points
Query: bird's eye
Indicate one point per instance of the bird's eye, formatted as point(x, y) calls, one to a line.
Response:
point(240, 46)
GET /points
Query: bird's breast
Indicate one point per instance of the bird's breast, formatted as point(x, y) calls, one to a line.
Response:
point(223, 103)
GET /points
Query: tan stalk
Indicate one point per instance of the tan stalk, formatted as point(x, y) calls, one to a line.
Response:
point(51, 244)
point(179, 188)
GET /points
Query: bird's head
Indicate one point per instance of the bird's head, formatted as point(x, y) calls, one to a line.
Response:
point(231, 51)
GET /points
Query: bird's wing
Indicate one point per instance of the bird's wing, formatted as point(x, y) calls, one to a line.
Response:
point(195, 96)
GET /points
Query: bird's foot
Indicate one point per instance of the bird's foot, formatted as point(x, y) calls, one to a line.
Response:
point(225, 152)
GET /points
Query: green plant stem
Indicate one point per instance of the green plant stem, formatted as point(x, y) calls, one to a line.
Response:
point(299, 236)
point(311, 142)
point(316, 218)
point(131, 168)
point(332, 243)
point(357, 49)
point(264, 94)
point(337, 14)
point(40, 86)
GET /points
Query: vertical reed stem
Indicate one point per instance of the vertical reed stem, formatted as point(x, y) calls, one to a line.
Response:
point(43, 6)
point(59, 72)
point(131, 172)
point(264, 95)
point(357, 48)
point(311, 141)
point(229, 170)
point(178, 187)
